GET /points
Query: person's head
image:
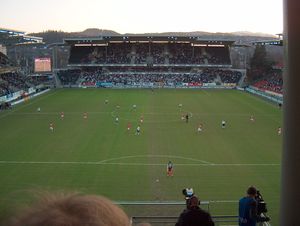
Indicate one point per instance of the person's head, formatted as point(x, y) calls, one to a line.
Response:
point(72, 210)
point(251, 191)
point(193, 202)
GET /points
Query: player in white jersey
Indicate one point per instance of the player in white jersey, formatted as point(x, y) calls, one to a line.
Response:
point(85, 115)
point(138, 130)
point(51, 127)
point(279, 131)
point(223, 123)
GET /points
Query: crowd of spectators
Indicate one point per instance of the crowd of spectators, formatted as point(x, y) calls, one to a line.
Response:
point(229, 76)
point(218, 55)
point(271, 82)
point(4, 61)
point(149, 53)
point(11, 82)
point(4, 89)
point(39, 79)
point(133, 77)
point(180, 53)
point(69, 77)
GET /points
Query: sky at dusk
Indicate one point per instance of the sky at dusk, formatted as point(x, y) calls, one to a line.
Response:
point(140, 16)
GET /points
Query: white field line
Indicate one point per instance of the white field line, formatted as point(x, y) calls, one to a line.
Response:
point(156, 156)
point(133, 164)
point(144, 113)
point(199, 162)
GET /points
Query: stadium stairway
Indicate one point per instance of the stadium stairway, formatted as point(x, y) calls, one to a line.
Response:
point(241, 82)
point(204, 53)
point(218, 79)
point(57, 81)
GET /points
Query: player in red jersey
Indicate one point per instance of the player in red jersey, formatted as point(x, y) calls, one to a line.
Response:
point(128, 126)
point(62, 115)
point(170, 169)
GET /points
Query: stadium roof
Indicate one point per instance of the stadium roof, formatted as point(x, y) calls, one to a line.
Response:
point(11, 32)
point(269, 42)
point(13, 37)
point(146, 39)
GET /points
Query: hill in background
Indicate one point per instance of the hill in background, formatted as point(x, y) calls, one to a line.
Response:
point(241, 37)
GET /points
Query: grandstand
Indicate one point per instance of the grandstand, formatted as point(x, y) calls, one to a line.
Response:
point(16, 67)
point(150, 61)
point(149, 51)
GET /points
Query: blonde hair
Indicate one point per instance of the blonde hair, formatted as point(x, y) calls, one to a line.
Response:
point(72, 210)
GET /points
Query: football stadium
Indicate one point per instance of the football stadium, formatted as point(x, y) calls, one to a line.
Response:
point(146, 121)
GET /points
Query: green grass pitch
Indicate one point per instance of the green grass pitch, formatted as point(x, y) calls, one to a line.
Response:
point(100, 156)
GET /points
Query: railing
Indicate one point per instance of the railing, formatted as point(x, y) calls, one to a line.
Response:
point(171, 220)
point(163, 213)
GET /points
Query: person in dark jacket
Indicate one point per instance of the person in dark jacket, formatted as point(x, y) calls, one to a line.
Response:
point(248, 208)
point(194, 215)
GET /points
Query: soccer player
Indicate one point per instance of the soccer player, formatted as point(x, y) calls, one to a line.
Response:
point(180, 106)
point(62, 115)
point(134, 107)
point(142, 119)
point(138, 130)
point(279, 131)
point(200, 128)
point(51, 127)
point(128, 126)
point(223, 124)
point(252, 119)
point(106, 101)
point(117, 120)
point(38, 109)
point(187, 118)
point(170, 169)
point(85, 115)
point(182, 117)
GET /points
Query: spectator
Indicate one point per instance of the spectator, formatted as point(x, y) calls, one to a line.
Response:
point(194, 215)
point(272, 82)
point(144, 53)
point(72, 210)
point(248, 208)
